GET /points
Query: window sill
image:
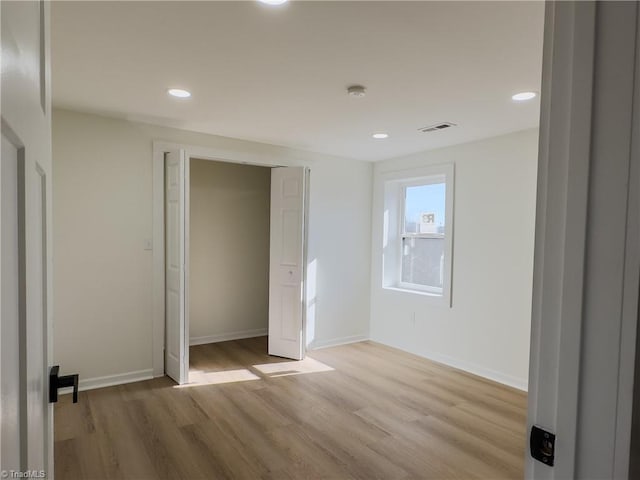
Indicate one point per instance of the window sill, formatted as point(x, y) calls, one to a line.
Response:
point(437, 300)
point(415, 292)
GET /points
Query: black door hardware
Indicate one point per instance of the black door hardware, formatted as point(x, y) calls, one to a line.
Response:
point(56, 381)
point(543, 445)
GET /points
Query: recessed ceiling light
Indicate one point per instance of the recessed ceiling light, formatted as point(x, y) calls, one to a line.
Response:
point(178, 92)
point(273, 2)
point(522, 96)
point(380, 135)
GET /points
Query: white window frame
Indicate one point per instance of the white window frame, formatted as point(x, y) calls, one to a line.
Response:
point(402, 234)
point(400, 181)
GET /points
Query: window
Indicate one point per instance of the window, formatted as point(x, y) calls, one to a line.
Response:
point(418, 231)
point(422, 235)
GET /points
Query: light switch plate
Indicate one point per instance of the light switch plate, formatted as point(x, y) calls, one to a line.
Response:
point(148, 244)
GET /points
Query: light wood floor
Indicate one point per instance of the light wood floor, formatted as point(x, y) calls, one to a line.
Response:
point(357, 411)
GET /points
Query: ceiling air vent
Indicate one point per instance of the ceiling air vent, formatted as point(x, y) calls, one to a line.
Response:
point(436, 127)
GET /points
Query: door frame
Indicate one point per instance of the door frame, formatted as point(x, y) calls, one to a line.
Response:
point(586, 281)
point(256, 158)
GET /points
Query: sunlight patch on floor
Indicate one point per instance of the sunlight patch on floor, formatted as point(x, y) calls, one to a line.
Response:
point(295, 367)
point(198, 378)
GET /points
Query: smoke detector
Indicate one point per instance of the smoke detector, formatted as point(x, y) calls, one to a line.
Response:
point(357, 91)
point(437, 127)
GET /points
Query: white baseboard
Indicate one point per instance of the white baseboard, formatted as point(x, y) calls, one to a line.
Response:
point(496, 376)
point(509, 380)
point(225, 337)
point(334, 342)
point(110, 380)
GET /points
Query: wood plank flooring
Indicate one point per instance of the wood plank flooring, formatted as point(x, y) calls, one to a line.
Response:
point(363, 411)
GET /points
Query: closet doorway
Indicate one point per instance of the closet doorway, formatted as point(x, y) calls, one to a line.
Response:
point(234, 248)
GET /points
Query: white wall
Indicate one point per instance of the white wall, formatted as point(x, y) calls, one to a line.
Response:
point(102, 177)
point(487, 329)
point(229, 251)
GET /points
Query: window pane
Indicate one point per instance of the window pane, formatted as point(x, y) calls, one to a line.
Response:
point(423, 261)
point(424, 208)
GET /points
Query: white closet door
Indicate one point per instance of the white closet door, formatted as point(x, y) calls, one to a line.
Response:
point(286, 269)
point(176, 349)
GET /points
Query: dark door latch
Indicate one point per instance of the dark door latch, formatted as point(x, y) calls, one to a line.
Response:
point(543, 445)
point(56, 381)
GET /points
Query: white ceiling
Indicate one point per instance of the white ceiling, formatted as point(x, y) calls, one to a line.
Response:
point(279, 75)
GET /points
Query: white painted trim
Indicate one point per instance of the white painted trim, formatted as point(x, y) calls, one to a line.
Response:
point(205, 153)
point(488, 373)
point(157, 325)
point(186, 188)
point(393, 183)
point(334, 342)
point(474, 368)
point(305, 259)
point(415, 173)
point(585, 291)
point(225, 337)
point(563, 173)
point(110, 380)
point(231, 156)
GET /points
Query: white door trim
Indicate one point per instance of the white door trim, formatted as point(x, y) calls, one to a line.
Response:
point(586, 264)
point(200, 152)
point(558, 260)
